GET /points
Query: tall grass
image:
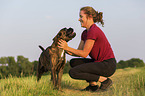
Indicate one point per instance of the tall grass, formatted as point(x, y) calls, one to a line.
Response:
point(126, 82)
point(129, 83)
point(26, 86)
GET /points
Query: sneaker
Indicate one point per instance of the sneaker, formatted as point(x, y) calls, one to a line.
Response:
point(87, 88)
point(106, 84)
point(91, 88)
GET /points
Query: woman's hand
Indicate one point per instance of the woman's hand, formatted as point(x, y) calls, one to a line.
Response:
point(62, 44)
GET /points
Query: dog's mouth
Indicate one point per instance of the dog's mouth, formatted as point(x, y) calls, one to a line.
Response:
point(70, 33)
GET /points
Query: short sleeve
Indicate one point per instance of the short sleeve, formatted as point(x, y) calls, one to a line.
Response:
point(83, 36)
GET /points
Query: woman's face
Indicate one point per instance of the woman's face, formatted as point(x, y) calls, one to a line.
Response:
point(83, 19)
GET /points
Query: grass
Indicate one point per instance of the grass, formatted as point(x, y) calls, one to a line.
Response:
point(126, 82)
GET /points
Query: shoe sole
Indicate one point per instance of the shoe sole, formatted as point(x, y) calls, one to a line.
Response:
point(107, 87)
point(91, 90)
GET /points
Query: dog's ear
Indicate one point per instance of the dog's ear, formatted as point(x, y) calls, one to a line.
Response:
point(60, 33)
point(57, 36)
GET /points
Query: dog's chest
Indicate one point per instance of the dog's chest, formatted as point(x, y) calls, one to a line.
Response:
point(62, 53)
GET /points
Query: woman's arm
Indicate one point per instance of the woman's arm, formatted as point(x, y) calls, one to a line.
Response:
point(80, 47)
point(81, 51)
point(70, 53)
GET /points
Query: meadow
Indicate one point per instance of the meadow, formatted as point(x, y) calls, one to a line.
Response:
point(126, 82)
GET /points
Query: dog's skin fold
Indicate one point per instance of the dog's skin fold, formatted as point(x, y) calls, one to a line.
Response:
point(53, 58)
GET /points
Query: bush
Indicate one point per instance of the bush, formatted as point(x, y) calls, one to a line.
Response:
point(134, 62)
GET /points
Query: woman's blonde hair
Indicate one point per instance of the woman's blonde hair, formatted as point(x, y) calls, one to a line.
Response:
point(97, 16)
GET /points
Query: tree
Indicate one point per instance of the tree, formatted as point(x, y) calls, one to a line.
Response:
point(8, 65)
point(25, 65)
point(4, 67)
point(4, 71)
point(34, 68)
point(13, 66)
point(122, 64)
point(3, 60)
point(134, 62)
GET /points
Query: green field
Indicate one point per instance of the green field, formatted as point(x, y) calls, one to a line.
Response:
point(126, 82)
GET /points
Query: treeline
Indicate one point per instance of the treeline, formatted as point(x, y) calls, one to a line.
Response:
point(134, 62)
point(17, 68)
point(22, 66)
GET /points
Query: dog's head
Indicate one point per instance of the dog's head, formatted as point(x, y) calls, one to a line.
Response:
point(65, 34)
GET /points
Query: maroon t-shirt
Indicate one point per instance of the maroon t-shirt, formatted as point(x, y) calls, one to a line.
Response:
point(101, 49)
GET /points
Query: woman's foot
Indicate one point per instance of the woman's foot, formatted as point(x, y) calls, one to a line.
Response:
point(106, 84)
point(91, 88)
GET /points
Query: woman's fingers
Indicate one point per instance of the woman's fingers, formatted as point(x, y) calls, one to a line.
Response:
point(62, 44)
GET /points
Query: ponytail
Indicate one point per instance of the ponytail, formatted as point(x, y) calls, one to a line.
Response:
point(99, 18)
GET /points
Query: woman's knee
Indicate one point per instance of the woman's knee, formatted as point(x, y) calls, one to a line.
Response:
point(72, 73)
point(72, 62)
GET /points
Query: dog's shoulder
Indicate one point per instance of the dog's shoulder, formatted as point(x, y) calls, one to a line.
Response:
point(51, 50)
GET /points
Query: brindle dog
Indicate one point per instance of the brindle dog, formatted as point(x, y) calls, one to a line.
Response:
point(53, 58)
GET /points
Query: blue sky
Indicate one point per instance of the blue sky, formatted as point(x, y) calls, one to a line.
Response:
point(25, 24)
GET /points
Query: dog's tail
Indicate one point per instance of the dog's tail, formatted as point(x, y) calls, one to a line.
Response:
point(41, 47)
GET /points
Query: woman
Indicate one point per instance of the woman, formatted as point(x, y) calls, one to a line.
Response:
point(95, 44)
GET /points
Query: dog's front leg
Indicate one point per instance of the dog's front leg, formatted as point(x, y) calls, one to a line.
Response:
point(60, 73)
point(59, 77)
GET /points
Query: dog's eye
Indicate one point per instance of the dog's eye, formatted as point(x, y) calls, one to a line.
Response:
point(60, 34)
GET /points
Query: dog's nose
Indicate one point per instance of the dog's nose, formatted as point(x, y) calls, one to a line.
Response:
point(70, 29)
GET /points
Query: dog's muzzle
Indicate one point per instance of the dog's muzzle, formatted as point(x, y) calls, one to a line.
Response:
point(70, 33)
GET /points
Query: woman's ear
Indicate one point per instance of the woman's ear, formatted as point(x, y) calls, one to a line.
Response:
point(89, 17)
